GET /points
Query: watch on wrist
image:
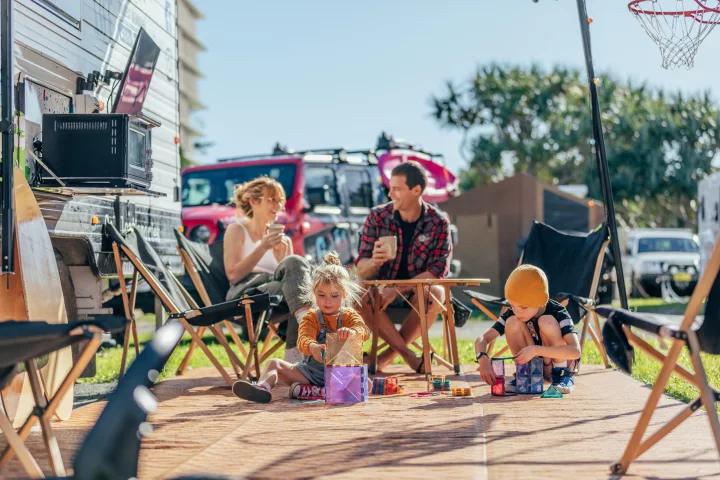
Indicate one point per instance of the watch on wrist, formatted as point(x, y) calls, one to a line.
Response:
point(479, 355)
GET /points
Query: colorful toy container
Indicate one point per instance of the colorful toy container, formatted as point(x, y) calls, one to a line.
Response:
point(346, 384)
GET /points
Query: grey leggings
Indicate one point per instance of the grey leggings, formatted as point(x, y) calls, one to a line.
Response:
point(289, 276)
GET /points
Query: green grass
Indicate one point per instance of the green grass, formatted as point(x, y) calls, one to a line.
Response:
point(645, 368)
point(646, 305)
point(655, 305)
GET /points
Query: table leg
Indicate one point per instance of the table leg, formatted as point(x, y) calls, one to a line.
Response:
point(376, 307)
point(422, 309)
point(451, 328)
point(447, 353)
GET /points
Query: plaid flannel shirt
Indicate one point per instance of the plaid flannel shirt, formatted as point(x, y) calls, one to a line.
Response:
point(431, 248)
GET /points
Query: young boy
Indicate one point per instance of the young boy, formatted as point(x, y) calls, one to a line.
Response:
point(534, 326)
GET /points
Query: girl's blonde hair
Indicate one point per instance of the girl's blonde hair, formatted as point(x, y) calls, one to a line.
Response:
point(331, 272)
point(256, 189)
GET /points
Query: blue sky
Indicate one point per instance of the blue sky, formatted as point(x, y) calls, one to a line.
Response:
point(313, 74)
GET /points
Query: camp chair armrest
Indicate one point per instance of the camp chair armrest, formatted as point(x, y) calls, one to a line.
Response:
point(582, 301)
point(630, 319)
point(207, 316)
point(486, 299)
point(107, 323)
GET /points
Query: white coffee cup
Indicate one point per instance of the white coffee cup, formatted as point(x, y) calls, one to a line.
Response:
point(390, 243)
point(276, 227)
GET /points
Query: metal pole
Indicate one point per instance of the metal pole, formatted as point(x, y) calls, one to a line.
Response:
point(7, 129)
point(601, 157)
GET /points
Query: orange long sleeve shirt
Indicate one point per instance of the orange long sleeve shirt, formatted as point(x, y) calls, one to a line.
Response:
point(310, 327)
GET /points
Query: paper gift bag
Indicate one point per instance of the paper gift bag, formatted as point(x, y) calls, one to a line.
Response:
point(344, 352)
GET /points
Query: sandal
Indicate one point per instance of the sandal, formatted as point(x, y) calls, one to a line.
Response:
point(421, 365)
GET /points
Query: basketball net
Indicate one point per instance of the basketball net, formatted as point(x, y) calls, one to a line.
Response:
point(677, 27)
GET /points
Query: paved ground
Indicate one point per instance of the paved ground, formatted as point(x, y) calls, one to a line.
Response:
point(200, 427)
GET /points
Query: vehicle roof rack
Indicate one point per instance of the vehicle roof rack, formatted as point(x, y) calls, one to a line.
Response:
point(385, 142)
point(321, 155)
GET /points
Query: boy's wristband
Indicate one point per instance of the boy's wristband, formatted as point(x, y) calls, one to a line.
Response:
point(480, 355)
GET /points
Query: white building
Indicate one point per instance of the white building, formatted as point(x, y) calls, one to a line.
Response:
point(191, 128)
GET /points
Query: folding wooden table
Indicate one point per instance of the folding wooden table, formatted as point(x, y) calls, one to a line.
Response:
point(451, 350)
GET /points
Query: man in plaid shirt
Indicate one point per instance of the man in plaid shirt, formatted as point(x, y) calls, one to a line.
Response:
point(424, 250)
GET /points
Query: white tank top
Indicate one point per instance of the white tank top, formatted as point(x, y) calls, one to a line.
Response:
point(268, 263)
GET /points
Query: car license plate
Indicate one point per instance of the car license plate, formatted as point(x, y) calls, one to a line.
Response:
point(682, 277)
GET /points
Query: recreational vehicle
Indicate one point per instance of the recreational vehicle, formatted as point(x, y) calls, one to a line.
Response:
point(77, 65)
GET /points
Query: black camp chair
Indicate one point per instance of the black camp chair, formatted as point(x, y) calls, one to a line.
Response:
point(204, 265)
point(111, 449)
point(176, 300)
point(698, 336)
point(27, 344)
point(572, 263)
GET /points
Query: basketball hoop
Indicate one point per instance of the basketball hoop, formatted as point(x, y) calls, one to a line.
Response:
point(679, 28)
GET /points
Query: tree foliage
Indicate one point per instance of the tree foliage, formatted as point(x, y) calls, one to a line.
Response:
point(517, 119)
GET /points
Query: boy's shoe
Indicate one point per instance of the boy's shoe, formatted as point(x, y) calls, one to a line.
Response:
point(511, 386)
point(562, 380)
point(251, 392)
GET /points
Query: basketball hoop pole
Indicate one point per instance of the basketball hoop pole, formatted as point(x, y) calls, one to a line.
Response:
point(603, 170)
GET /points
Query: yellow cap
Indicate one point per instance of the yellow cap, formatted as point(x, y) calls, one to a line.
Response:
point(527, 286)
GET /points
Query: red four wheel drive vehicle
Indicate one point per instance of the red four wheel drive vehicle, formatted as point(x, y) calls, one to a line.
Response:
point(329, 193)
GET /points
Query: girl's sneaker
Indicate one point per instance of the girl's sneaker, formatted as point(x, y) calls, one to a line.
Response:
point(251, 392)
point(562, 380)
point(306, 392)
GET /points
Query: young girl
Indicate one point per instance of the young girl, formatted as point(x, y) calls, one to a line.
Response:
point(331, 291)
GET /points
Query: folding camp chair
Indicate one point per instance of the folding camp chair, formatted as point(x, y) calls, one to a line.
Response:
point(205, 267)
point(111, 449)
point(28, 343)
point(176, 300)
point(697, 336)
point(572, 263)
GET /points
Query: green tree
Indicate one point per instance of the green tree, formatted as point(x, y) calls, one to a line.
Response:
point(516, 119)
point(184, 161)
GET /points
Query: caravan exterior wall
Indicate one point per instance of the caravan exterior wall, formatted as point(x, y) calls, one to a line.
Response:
point(55, 43)
point(708, 216)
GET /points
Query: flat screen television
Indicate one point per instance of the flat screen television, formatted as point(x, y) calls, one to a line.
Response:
point(138, 74)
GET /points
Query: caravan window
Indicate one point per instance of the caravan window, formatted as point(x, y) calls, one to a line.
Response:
point(68, 10)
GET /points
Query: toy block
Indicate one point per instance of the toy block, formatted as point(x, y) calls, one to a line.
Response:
point(498, 389)
point(536, 384)
point(346, 384)
point(552, 392)
point(344, 352)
